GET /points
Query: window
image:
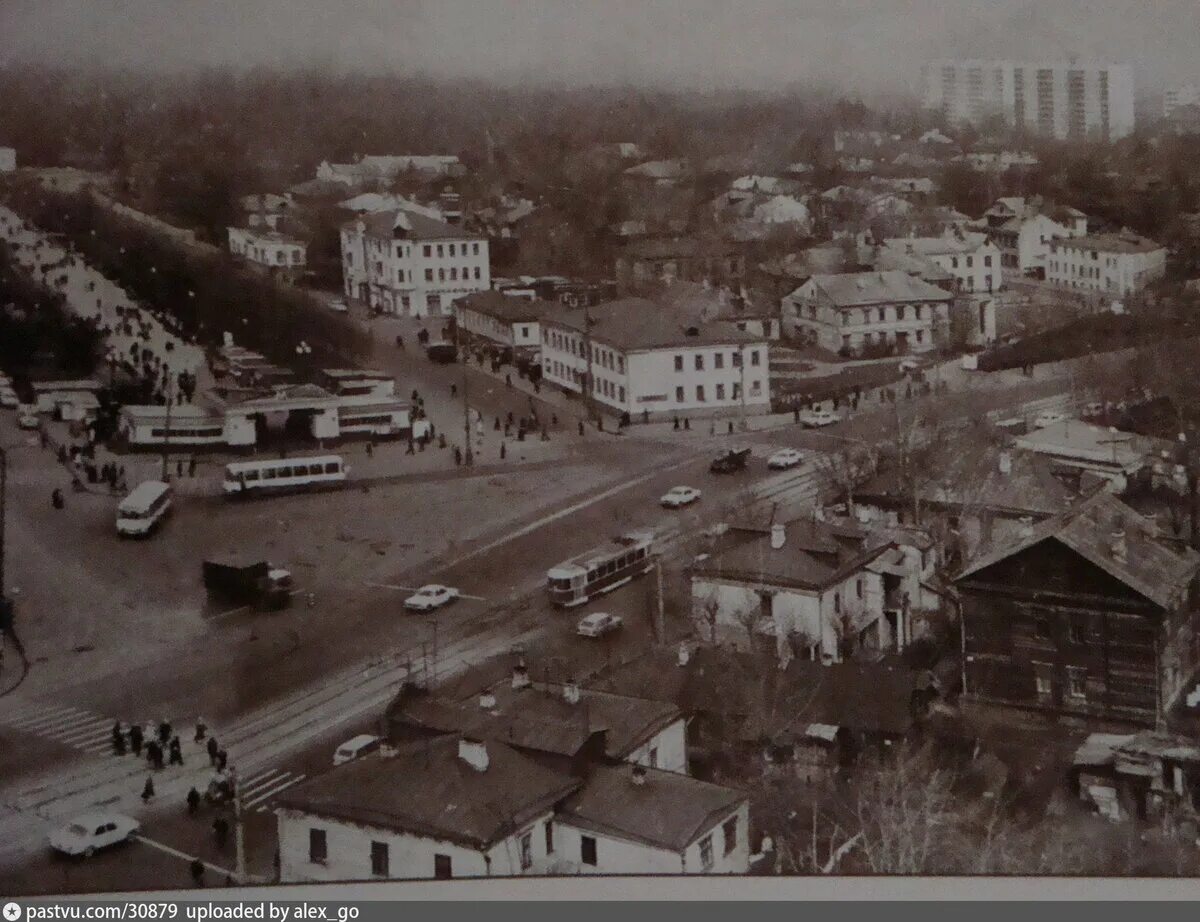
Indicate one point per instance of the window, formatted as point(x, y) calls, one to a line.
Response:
point(621, 395)
point(317, 847)
point(441, 275)
point(1043, 679)
point(442, 869)
point(970, 262)
point(379, 859)
point(700, 393)
point(679, 363)
point(737, 391)
point(587, 850)
point(452, 249)
point(954, 262)
point(699, 363)
point(429, 275)
point(920, 336)
point(428, 251)
point(837, 603)
point(881, 315)
point(754, 357)
point(549, 837)
point(1078, 629)
point(987, 262)
point(453, 274)
point(1077, 682)
point(434, 302)
point(475, 252)
point(729, 831)
point(527, 851)
point(858, 587)
point(652, 761)
point(718, 360)
point(679, 395)
point(621, 364)
point(706, 856)
point(737, 359)
point(477, 272)
point(440, 251)
point(720, 391)
point(900, 312)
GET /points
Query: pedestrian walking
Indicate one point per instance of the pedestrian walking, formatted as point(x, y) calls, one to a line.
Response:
point(192, 468)
point(135, 739)
point(193, 801)
point(201, 730)
point(676, 423)
point(118, 739)
point(508, 380)
point(148, 790)
point(221, 832)
point(159, 757)
point(212, 749)
point(502, 451)
point(370, 449)
point(176, 751)
point(164, 731)
point(686, 424)
point(222, 760)
point(457, 456)
point(496, 427)
point(453, 390)
point(731, 427)
point(581, 427)
point(197, 872)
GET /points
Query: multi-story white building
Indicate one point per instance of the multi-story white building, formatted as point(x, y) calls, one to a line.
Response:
point(972, 259)
point(1076, 100)
point(1023, 229)
point(1176, 96)
point(269, 248)
point(503, 320)
point(1109, 264)
point(856, 311)
point(644, 361)
point(405, 263)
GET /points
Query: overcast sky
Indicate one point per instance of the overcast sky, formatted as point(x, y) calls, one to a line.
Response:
point(860, 45)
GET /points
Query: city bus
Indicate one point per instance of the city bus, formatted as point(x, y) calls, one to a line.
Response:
point(277, 475)
point(600, 570)
point(140, 512)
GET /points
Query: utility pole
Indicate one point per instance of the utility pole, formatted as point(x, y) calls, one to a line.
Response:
point(468, 455)
point(167, 433)
point(660, 621)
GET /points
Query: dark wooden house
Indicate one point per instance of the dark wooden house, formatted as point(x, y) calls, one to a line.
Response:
point(1091, 614)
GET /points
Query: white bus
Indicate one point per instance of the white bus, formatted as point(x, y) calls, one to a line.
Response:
point(601, 570)
point(247, 478)
point(140, 512)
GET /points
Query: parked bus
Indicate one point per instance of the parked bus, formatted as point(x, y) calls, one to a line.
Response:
point(247, 478)
point(140, 512)
point(601, 570)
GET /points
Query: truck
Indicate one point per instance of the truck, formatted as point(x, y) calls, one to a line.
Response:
point(735, 459)
point(247, 581)
point(442, 353)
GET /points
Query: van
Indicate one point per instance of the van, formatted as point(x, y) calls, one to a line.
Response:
point(355, 748)
point(140, 512)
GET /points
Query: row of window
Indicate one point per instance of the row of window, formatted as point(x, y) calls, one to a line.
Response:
point(441, 274)
point(719, 360)
point(970, 261)
point(899, 312)
point(449, 249)
point(735, 392)
point(884, 338)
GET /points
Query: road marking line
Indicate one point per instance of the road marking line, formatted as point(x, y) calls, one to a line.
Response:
point(262, 781)
point(176, 853)
point(95, 728)
point(27, 715)
point(76, 720)
point(47, 716)
point(264, 796)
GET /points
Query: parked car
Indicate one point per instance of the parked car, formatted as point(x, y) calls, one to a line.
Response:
point(1048, 418)
point(785, 458)
point(431, 597)
point(598, 623)
point(355, 748)
point(27, 417)
point(88, 833)
point(815, 419)
point(338, 307)
point(679, 496)
point(8, 398)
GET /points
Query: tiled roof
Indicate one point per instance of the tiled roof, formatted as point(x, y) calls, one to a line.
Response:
point(667, 810)
point(632, 324)
point(427, 790)
point(950, 244)
point(1111, 243)
point(853, 288)
point(1149, 566)
point(405, 224)
point(507, 308)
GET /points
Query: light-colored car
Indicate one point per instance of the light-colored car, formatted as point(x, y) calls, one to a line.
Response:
point(679, 496)
point(338, 307)
point(8, 398)
point(430, 597)
point(90, 832)
point(27, 417)
point(1048, 418)
point(815, 419)
point(909, 365)
point(1093, 410)
point(355, 748)
point(598, 623)
point(785, 458)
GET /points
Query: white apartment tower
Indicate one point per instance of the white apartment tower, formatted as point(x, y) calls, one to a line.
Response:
point(1064, 100)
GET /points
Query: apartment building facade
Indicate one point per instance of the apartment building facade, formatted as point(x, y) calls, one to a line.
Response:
point(405, 263)
point(269, 248)
point(1108, 264)
point(1073, 100)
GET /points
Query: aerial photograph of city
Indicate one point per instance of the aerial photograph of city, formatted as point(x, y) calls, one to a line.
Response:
point(692, 448)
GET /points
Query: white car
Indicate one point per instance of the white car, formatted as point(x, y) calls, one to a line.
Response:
point(679, 496)
point(1093, 411)
point(598, 623)
point(785, 458)
point(430, 597)
point(338, 307)
point(8, 398)
point(1048, 418)
point(815, 419)
point(87, 834)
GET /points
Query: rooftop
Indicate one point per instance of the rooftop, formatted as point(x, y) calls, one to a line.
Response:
point(666, 810)
point(853, 288)
point(635, 324)
point(507, 308)
point(1082, 441)
point(1150, 566)
point(428, 790)
point(406, 224)
point(1111, 243)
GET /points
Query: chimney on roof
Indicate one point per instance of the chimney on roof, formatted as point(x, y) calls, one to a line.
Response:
point(778, 537)
point(1117, 546)
point(1005, 462)
point(684, 655)
point(571, 692)
point(637, 774)
point(474, 753)
point(487, 701)
point(520, 676)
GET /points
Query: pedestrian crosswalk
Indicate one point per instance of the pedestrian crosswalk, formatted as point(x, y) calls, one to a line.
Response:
point(260, 789)
point(69, 726)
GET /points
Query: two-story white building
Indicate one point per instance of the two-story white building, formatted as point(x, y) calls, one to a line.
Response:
point(645, 360)
point(854, 312)
point(1108, 264)
point(409, 264)
point(504, 320)
point(1024, 229)
point(278, 252)
point(972, 259)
